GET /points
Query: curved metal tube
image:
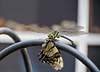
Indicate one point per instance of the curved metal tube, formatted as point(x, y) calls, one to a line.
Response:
point(24, 52)
point(85, 60)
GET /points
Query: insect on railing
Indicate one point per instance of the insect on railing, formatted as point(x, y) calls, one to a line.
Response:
point(50, 54)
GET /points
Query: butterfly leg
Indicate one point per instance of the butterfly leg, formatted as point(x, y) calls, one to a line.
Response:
point(40, 53)
point(42, 56)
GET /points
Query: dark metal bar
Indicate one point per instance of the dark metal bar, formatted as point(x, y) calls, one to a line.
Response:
point(24, 52)
point(85, 60)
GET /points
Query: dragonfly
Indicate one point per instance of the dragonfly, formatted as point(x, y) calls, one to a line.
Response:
point(71, 31)
point(50, 54)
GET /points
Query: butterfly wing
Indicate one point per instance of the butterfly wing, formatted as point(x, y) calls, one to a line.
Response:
point(52, 55)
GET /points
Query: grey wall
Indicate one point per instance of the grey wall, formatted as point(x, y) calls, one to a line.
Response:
point(23, 11)
point(54, 11)
point(43, 12)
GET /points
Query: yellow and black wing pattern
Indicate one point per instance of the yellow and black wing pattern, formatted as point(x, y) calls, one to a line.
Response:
point(51, 55)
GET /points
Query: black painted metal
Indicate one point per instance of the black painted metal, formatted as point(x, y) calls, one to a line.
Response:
point(85, 60)
point(24, 52)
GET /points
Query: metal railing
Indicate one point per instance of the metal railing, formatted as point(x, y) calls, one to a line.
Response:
point(68, 49)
